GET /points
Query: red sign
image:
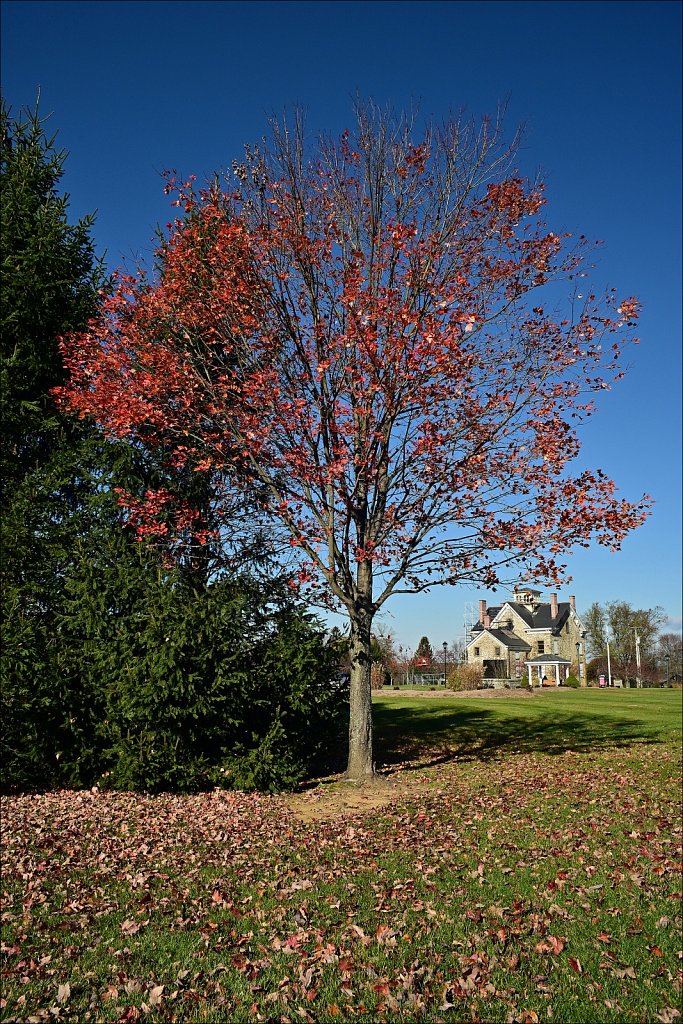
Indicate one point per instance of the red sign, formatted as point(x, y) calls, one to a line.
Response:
point(422, 662)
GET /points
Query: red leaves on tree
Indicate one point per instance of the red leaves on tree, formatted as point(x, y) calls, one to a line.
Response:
point(382, 367)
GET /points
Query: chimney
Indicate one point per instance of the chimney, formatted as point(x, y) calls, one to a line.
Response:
point(482, 611)
point(572, 602)
point(553, 606)
point(487, 621)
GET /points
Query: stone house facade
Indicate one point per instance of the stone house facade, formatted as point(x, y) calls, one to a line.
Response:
point(527, 638)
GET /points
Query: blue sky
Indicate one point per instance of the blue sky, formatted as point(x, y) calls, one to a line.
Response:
point(136, 88)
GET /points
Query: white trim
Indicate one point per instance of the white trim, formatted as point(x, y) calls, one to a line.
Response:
point(511, 612)
point(573, 614)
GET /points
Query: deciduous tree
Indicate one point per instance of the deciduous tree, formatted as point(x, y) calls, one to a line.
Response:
point(360, 331)
point(670, 649)
point(595, 622)
point(618, 624)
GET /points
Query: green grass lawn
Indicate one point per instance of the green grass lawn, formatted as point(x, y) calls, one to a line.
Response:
point(526, 867)
point(551, 722)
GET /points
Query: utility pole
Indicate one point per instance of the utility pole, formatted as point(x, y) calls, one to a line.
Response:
point(639, 681)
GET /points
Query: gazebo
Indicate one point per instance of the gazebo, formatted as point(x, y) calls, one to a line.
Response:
point(542, 663)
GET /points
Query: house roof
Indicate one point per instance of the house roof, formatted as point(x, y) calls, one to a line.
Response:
point(503, 637)
point(542, 619)
point(535, 618)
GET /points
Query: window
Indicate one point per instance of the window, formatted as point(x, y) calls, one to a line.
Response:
point(476, 652)
point(541, 647)
point(497, 652)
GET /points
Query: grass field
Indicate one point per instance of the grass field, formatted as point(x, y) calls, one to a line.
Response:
point(519, 860)
point(548, 723)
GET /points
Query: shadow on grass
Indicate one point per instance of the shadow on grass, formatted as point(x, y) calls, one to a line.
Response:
point(424, 738)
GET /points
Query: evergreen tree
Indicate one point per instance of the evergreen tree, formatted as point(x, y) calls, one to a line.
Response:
point(50, 281)
point(116, 669)
point(424, 650)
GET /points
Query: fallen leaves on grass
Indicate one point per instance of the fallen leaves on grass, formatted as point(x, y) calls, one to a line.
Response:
point(463, 891)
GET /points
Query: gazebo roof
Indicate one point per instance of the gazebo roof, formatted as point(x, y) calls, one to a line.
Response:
point(548, 659)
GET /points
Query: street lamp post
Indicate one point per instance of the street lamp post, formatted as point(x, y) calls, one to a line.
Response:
point(667, 658)
point(445, 673)
point(578, 659)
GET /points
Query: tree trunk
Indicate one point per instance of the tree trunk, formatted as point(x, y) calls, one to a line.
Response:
point(360, 766)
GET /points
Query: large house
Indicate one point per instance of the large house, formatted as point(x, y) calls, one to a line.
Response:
point(524, 638)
